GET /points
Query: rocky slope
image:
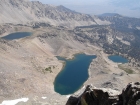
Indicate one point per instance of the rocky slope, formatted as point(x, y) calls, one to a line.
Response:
point(23, 11)
point(121, 23)
point(24, 61)
point(94, 96)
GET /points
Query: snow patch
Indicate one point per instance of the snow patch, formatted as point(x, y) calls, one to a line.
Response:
point(138, 28)
point(84, 87)
point(44, 98)
point(68, 96)
point(14, 102)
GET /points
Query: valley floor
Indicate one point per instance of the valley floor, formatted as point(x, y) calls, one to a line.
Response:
point(23, 63)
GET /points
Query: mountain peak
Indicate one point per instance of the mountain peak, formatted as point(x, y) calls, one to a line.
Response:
point(110, 14)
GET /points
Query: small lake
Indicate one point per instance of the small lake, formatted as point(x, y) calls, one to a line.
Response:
point(118, 59)
point(73, 75)
point(17, 35)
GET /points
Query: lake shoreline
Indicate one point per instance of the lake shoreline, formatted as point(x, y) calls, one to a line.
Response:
point(67, 60)
point(17, 35)
point(118, 59)
point(34, 56)
point(19, 29)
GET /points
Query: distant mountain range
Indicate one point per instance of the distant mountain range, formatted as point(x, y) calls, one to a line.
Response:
point(25, 11)
point(120, 22)
point(109, 14)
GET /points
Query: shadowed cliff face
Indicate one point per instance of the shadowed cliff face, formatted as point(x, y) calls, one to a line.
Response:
point(93, 96)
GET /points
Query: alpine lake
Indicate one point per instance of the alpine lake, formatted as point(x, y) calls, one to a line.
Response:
point(73, 74)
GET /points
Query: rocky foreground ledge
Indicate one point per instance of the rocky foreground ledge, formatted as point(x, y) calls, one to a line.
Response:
point(94, 96)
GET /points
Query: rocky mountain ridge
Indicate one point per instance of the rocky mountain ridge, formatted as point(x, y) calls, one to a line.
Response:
point(121, 23)
point(24, 11)
point(94, 96)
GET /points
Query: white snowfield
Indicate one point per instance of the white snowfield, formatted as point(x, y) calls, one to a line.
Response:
point(44, 98)
point(14, 102)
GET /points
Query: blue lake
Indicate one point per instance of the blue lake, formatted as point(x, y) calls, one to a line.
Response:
point(118, 59)
point(17, 35)
point(73, 75)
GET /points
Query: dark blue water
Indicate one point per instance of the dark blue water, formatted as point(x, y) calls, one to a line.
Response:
point(73, 75)
point(17, 35)
point(118, 59)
